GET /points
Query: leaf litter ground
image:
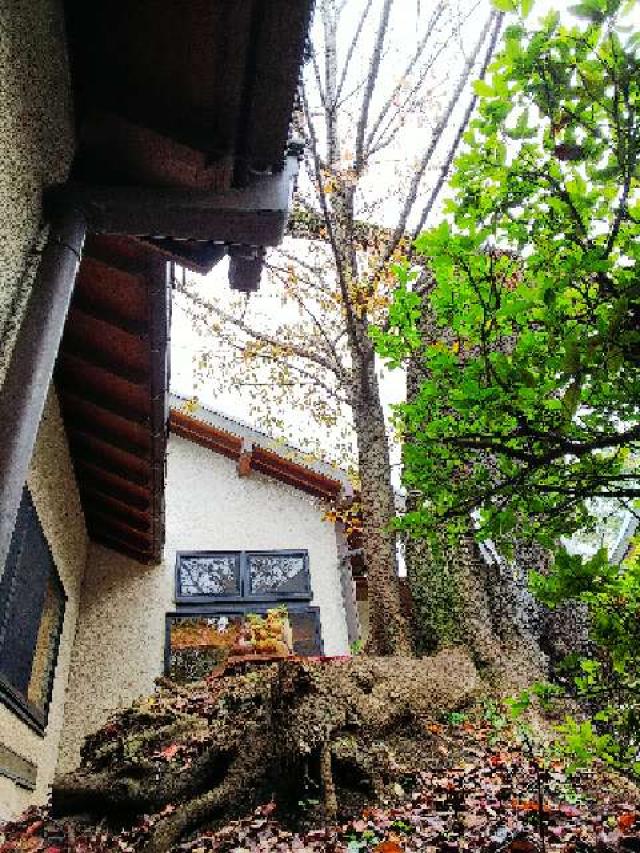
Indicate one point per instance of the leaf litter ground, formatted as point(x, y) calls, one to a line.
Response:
point(479, 791)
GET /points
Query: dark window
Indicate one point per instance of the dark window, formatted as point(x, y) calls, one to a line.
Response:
point(32, 603)
point(232, 584)
point(198, 640)
point(205, 577)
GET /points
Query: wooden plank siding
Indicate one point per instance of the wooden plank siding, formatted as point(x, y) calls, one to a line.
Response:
point(112, 377)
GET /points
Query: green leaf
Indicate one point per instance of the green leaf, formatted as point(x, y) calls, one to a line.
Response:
point(589, 9)
point(483, 89)
point(505, 5)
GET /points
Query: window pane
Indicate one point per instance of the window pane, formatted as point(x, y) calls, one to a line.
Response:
point(23, 598)
point(44, 659)
point(197, 644)
point(209, 574)
point(305, 627)
point(31, 615)
point(277, 574)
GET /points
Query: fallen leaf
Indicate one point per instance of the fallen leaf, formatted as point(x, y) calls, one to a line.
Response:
point(388, 847)
point(626, 821)
point(169, 752)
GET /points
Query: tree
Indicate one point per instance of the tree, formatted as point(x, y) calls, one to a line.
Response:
point(337, 282)
point(528, 405)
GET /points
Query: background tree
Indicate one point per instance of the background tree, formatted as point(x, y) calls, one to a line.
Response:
point(527, 408)
point(357, 210)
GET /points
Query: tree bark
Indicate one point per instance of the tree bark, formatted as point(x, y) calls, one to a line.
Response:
point(388, 631)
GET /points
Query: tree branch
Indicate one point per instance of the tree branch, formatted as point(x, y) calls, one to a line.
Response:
point(350, 51)
point(370, 85)
point(412, 193)
point(446, 167)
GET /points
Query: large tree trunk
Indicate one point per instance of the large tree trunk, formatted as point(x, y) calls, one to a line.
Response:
point(388, 628)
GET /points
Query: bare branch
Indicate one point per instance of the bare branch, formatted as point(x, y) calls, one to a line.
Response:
point(264, 337)
point(338, 258)
point(329, 21)
point(351, 50)
point(437, 14)
point(412, 193)
point(444, 171)
point(370, 85)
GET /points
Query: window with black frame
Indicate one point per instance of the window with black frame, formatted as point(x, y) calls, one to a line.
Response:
point(216, 590)
point(206, 577)
point(32, 604)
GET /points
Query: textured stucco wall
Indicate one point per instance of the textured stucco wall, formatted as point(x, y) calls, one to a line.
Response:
point(55, 495)
point(36, 144)
point(120, 642)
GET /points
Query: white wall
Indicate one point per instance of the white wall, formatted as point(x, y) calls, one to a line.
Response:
point(120, 642)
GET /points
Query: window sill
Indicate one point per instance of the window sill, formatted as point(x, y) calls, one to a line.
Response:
point(26, 712)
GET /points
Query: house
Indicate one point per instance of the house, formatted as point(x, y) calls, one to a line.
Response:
point(246, 530)
point(134, 137)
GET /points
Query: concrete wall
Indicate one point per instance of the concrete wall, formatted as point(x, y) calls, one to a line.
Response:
point(120, 643)
point(36, 144)
point(55, 495)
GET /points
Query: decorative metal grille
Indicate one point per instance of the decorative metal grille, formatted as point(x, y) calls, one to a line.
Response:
point(207, 574)
point(204, 577)
point(277, 574)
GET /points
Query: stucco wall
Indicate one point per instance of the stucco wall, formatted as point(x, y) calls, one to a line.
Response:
point(55, 495)
point(36, 144)
point(120, 643)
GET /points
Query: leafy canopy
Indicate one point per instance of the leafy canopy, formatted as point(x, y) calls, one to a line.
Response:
point(529, 340)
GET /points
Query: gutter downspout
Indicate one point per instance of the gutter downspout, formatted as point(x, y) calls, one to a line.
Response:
point(24, 392)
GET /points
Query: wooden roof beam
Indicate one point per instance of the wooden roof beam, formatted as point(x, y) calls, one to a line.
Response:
point(94, 311)
point(98, 509)
point(122, 532)
point(109, 493)
point(88, 461)
point(110, 407)
point(107, 539)
point(255, 215)
point(85, 431)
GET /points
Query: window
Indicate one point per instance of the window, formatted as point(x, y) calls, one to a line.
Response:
point(206, 576)
point(215, 590)
point(32, 603)
point(197, 640)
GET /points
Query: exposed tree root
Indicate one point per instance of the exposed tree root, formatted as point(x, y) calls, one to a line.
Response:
point(300, 732)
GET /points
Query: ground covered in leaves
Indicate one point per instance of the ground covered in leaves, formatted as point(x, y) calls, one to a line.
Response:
point(467, 786)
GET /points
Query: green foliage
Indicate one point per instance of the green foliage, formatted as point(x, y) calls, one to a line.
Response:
point(529, 406)
point(528, 414)
point(357, 647)
point(608, 683)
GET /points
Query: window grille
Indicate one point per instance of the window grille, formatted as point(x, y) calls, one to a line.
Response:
point(204, 577)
